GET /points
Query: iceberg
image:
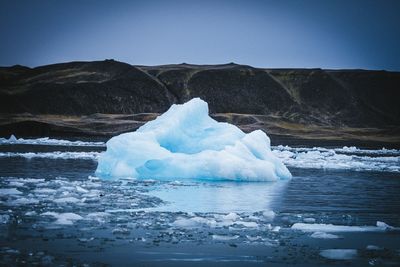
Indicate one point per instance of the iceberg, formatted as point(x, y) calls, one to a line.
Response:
point(186, 143)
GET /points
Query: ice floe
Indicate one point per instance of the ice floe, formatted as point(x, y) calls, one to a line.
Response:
point(67, 200)
point(66, 218)
point(322, 158)
point(220, 220)
point(22, 201)
point(4, 218)
point(52, 155)
point(324, 235)
point(269, 215)
point(328, 228)
point(339, 254)
point(309, 220)
point(194, 222)
point(341, 150)
point(224, 237)
point(47, 141)
point(9, 191)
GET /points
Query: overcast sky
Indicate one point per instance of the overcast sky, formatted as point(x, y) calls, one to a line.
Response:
point(302, 34)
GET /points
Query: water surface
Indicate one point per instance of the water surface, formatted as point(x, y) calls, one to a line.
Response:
point(55, 211)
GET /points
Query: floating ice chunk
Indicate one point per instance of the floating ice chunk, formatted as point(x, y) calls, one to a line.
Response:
point(9, 191)
point(194, 222)
point(323, 158)
point(12, 138)
point(339, 254)
point(15, 183)
point(253, 238)
point(64, 200)
point(269, 215)
point(323, 235)
point(30, 180)
point(227, 220)
point(98, 216)
point(231, 216)
point(67, 218)
point(216, 221)
point(45, 191)
point(185, 142)
point(383, 225)
point(309, 220)
point(47, 141)
point(51, 155)
point(344, 150)
point(382, 151)
point(247, 224)
point(10, 250)
point(4, 218)
point(224, 237)
point(23, 201)
point(93, 178)
point(121, 231)
point(80, 189)
point(331, 228)
point(276, 229)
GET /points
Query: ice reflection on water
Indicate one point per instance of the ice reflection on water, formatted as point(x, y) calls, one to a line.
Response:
point(219, 196)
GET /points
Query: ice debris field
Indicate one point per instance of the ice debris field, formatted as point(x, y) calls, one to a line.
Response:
point(185, 142)
point(345, 158)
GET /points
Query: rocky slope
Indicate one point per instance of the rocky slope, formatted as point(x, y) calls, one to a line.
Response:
point(304, 97)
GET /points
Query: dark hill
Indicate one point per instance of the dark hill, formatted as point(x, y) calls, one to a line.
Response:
point(332, 97)
point(335, 98)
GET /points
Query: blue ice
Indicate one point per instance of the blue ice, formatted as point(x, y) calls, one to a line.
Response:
point(186, 143)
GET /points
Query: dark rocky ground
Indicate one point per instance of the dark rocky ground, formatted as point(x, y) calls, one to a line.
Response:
point(104, 98)
point(281, 131)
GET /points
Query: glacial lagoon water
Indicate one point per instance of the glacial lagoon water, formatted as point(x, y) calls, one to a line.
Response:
point(342, 207)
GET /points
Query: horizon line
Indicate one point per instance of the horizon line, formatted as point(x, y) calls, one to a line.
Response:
point(196, 64)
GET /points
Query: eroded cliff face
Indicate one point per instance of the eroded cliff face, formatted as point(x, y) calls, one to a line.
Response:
point(355, 98)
